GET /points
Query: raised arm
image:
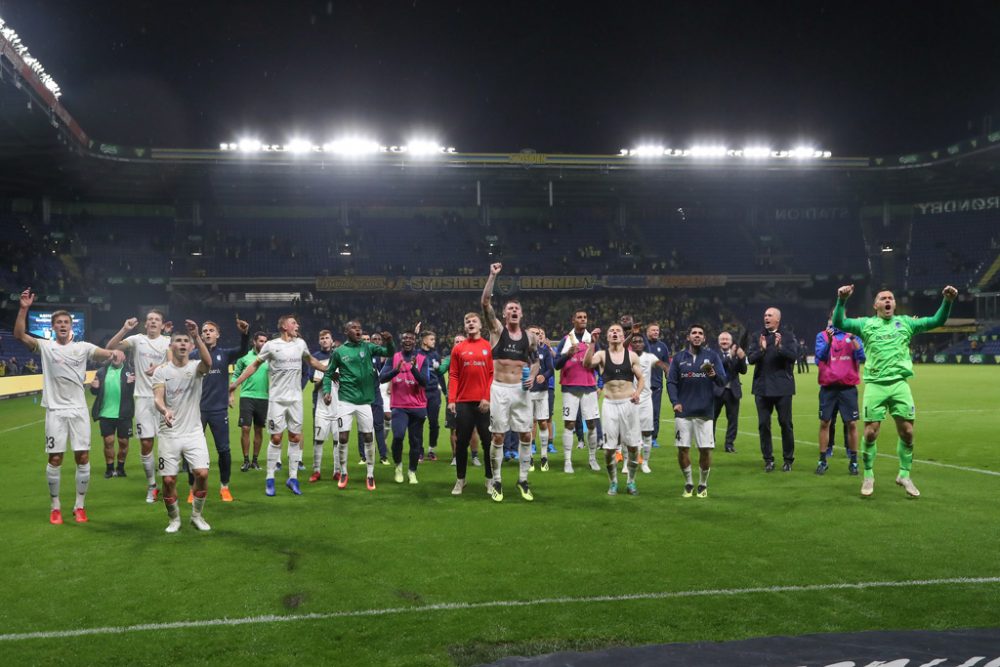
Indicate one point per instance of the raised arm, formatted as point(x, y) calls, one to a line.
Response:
point(593, 359)
point(840, 319)
point(102, 354)
point(247, 372)
point(159, 396)
point(21, 323)
point(939, 318)
point(117, 341)
point(489, 315)
point(204, 356)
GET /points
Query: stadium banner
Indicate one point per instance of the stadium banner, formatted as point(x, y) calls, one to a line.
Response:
point(510, 284)
point(970, 359)
point(22, 385)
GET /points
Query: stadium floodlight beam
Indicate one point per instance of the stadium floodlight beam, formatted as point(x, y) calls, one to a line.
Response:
point(648, 150)
point(708, 151)
point(352, 147)
point(422, 148)
point(298, 146)
point(756, 152)
point(248, 145)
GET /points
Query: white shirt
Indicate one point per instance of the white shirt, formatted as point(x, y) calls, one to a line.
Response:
point(284, 368)
point(145, 352)
point(646, 362)
point(64, 369)
point(182, 394)
point(324, 411)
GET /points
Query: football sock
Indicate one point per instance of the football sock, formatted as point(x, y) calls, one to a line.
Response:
point(592, 442)
point(611, 465)
point(82, 482)
point(905, 453)
point(633, 463)
point(273, 455)
point(568, 437)
point(294, 458)
point(543, 439)
point(687, 475)
point(868, 452)
point(647, 447)
point(524, 458)
point(703, 476)
point(496, 455)
point(370, 457)
point(318, 456)
point(147, 466)
point(199, 502)
point(52, 477)
point(173, 511)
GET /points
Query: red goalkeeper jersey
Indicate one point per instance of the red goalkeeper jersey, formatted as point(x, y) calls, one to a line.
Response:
point(471, 372)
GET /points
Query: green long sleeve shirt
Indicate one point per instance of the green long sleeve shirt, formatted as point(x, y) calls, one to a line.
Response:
point(357, 374)
point(887, 341)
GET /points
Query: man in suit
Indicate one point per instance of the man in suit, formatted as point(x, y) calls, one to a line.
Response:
point(773, 354)
point(734, 362)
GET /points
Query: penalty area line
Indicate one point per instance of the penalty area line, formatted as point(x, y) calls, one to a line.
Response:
point(495, 604)
point(18, 428)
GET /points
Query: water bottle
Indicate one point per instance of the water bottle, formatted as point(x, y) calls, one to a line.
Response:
point(525, 374)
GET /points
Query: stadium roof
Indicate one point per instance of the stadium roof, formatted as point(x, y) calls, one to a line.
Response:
point(43, 152)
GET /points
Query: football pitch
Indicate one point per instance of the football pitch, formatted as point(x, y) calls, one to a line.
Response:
point(411, 575)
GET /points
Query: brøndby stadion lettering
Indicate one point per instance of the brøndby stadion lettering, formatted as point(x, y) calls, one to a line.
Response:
point(509, 284)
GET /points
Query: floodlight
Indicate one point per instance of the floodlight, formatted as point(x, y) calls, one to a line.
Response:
point(249, 145)
point(298, 146)
point(648, 150)
point(352, 146)
point(422, 147)
point(708, 151)
point(756, 152)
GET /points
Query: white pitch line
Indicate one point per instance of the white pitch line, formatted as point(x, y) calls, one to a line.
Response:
point(465, 606)
point(16, 428)
point(925, 462)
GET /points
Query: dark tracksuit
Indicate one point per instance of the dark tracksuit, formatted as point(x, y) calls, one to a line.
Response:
point(662, 352)
point(690, 386)
point(773, 387)
point(215, 401)
point(433, 385)
point(547, 369)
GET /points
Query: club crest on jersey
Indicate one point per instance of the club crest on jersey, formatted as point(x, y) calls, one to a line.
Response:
point(362, 354)
point(484, 353)
point(899, 325)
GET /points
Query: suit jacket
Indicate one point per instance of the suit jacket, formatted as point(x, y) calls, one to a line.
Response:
point(734, 367)
point(773, 372)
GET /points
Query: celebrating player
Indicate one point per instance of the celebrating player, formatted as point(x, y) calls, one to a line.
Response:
point(515, 365)
point(406, 371)
point(352, 361)
point(64, 367)
point(177, 387)
point(886, 338)
point(284, 356)
point(648, 361)
point(691, 378)
point(253, 402)
point(215, 396)
point(623, 385)
point(324, 414)
point(146, 351)
point(579, 389)
point(470, 374)
point(538, 396)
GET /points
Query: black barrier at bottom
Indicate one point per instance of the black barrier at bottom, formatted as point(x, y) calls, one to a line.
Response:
point(950, 648)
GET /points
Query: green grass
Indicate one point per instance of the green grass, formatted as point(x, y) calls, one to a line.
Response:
point(409, 547)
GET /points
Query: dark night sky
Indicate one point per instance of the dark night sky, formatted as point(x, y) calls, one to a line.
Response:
point(858, 78)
